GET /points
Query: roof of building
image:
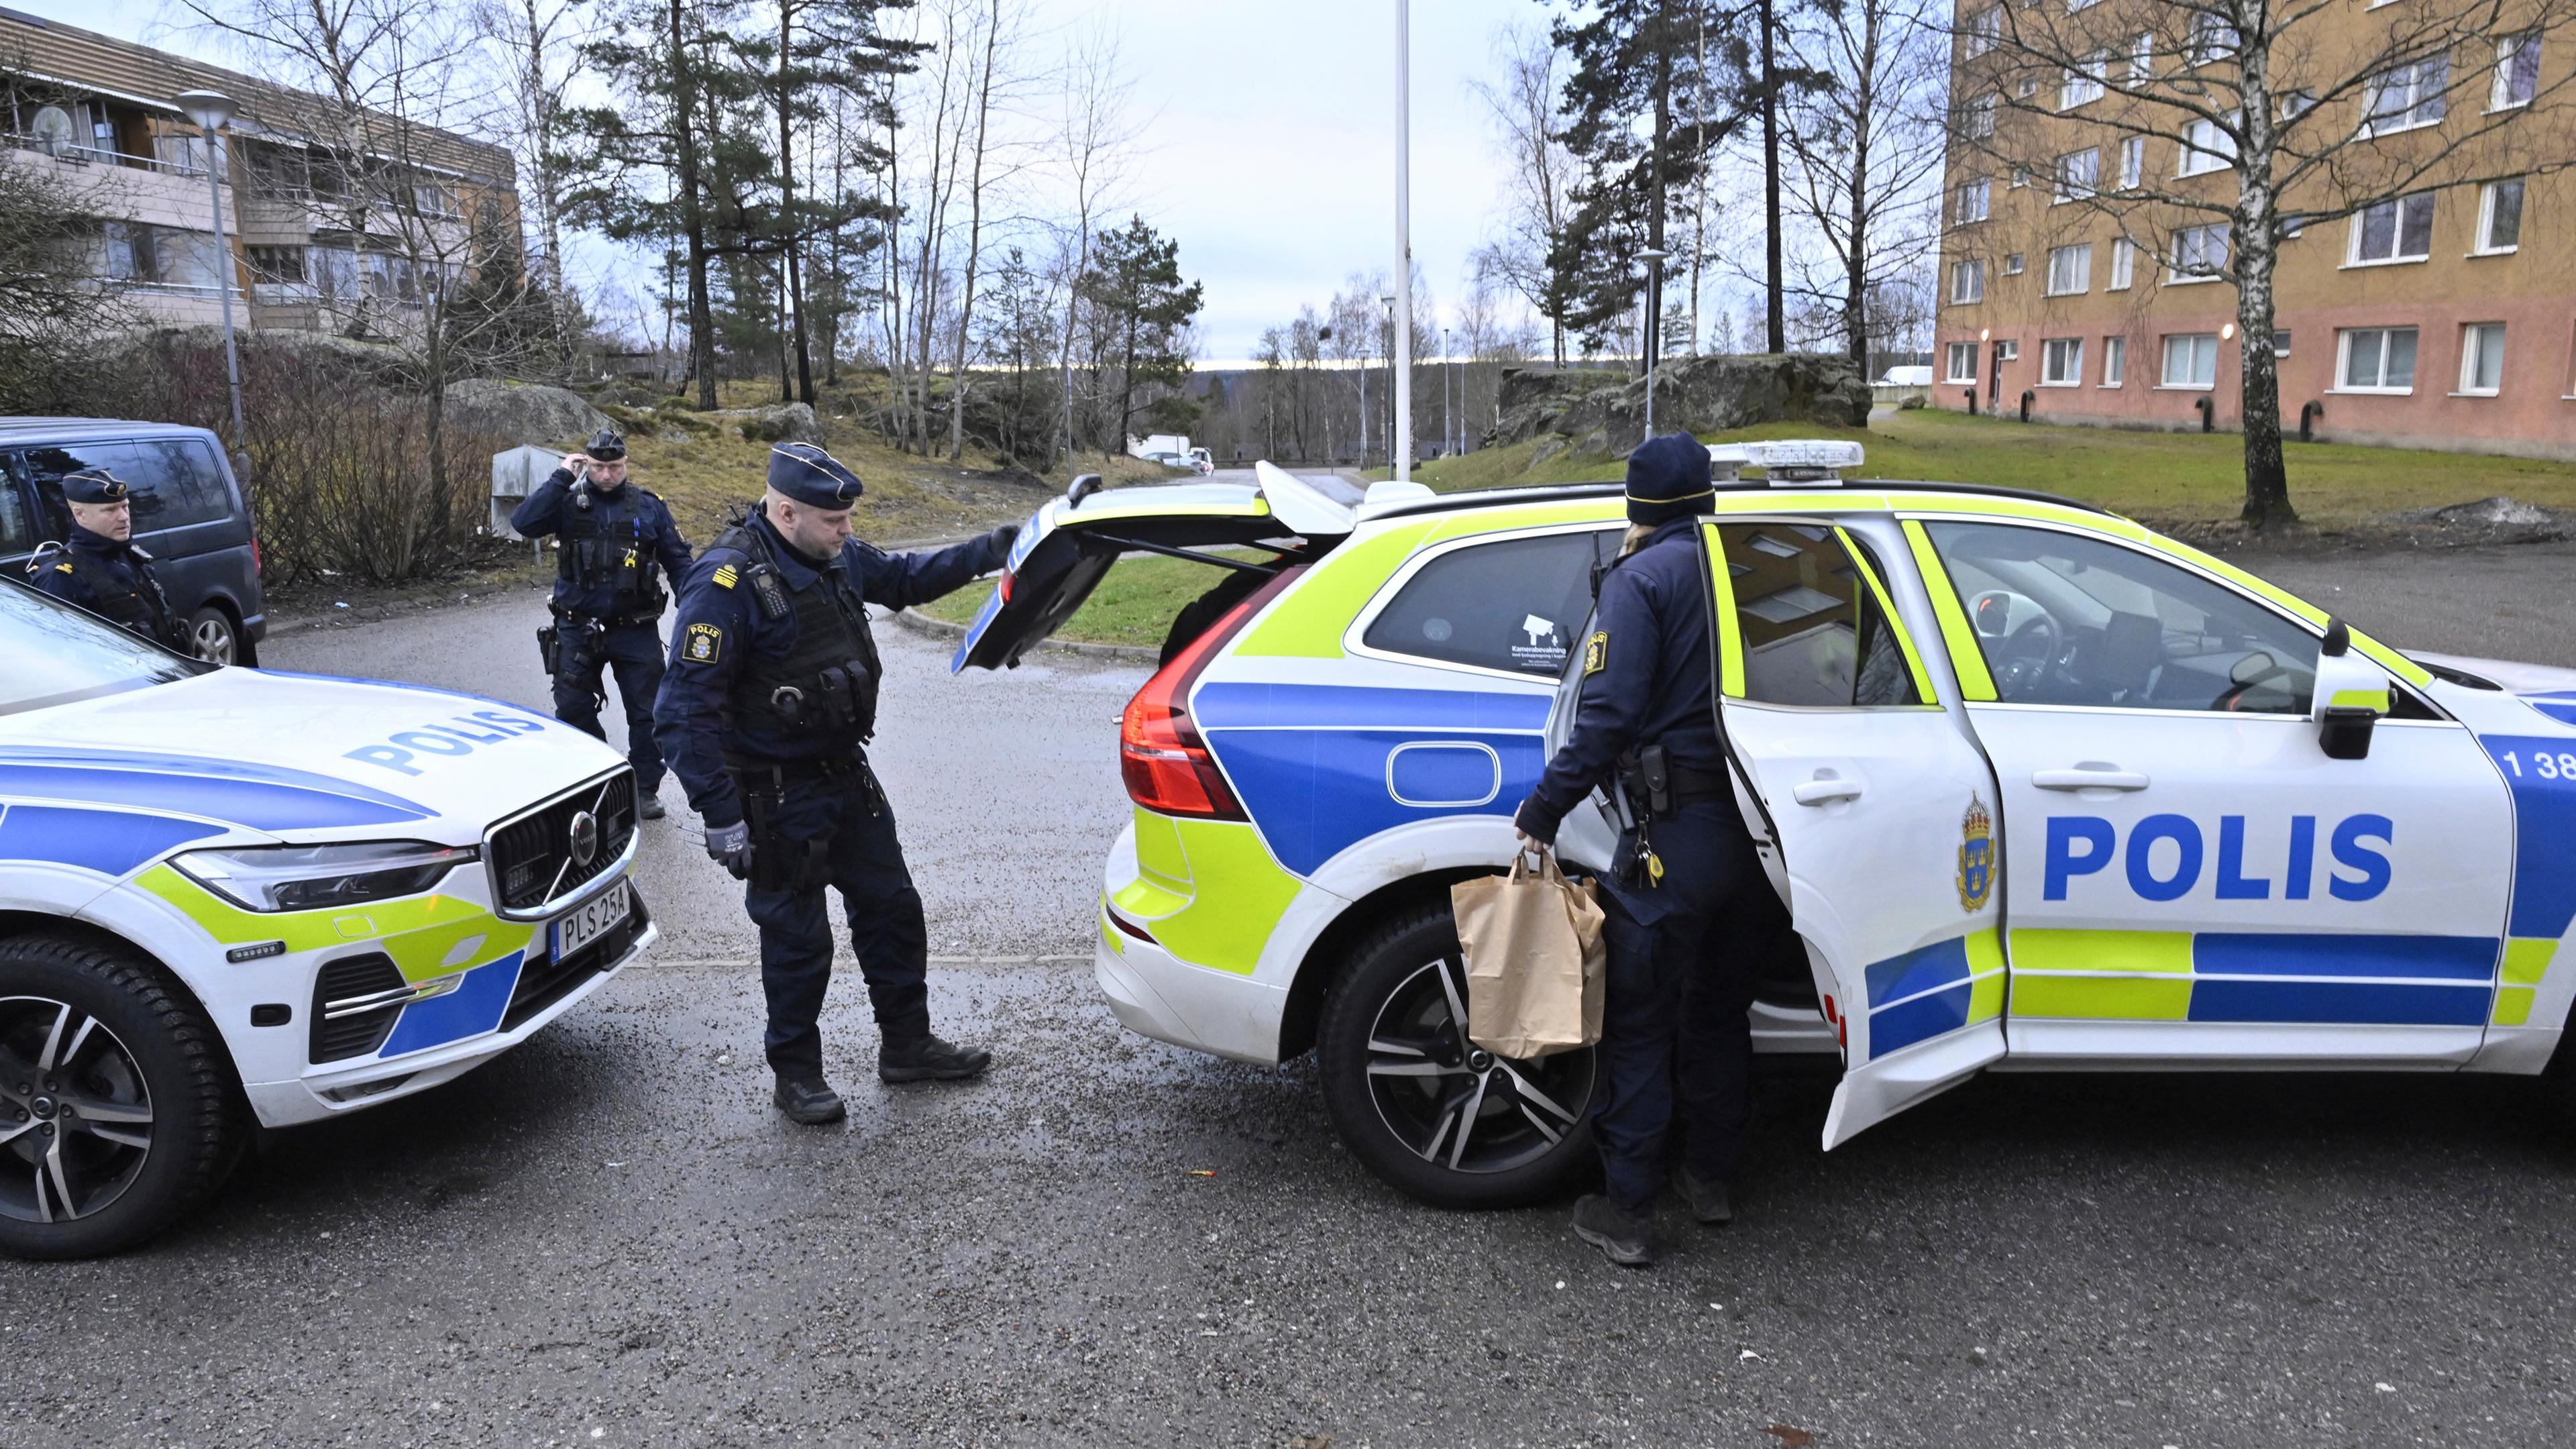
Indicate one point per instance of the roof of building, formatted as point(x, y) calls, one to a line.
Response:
point(85, 60)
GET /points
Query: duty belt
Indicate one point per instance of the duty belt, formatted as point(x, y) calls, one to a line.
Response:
point(779, 773)
point(1690, 784)
point(611, 621)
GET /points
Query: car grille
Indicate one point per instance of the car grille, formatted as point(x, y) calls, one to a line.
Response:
point(354, 981)
point(544, 981)
point(532, 855)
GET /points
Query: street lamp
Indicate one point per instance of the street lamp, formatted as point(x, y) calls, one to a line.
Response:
point(1654, 314)
point(1445, 423)
point(1400, 437)
point(1399, 395)
point(212, 111)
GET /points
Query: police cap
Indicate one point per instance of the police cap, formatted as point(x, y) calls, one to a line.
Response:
point(1669, 478)
point(813, 477)
point(93, 485)
point(605, 446)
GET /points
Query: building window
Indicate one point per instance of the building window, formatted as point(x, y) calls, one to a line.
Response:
point(1960, 362)
point(2394, 231)
point(2115, 360)
point(2124, 260)
point(2070, 270)
point(2079, 174)
point(1983, 29)
point(1972, 201)
point(2133, 162)
point(2061, 362)
point(2191, 359)
point(2012, 264)
point(2142, 55)
point(2211, 38)
point(143, 255)
point(1981, 116)
point(2295, 104)
point(2404, 97)
point(2084, 83)
point(1967, 282)
point(2020, 177)
point(2199, 253)
point(2482, 358)
point(2008, 350)
point(2029, 87)
point(277, 264)
point(2377, 359)
point(2206, 147)
point(2293, 226)
point(2280, 342)
point(2499, 216)
point(2517, 72)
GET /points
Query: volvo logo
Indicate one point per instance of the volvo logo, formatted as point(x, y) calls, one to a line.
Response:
point(584, 837)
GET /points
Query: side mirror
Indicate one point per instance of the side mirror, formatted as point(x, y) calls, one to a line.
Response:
point(2351, 695)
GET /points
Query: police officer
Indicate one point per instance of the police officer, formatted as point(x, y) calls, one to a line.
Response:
point(1675, 1003)
point(766, 713)
point(616, 541)
point(100, 568)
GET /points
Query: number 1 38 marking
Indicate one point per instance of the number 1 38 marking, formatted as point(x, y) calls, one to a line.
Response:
point(2547, 766)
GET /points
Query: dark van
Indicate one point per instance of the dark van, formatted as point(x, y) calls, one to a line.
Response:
point(189, 514)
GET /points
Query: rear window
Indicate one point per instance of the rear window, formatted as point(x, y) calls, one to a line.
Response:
point(17, 523)
point(1514, 604)
point(175, 482)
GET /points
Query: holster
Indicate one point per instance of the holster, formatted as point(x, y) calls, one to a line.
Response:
point(549, 646)
point(781, 862)
point(1647, 776)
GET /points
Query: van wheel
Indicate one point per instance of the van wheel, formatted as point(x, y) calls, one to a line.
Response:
point(1438, 1117)
point(116, 1102)
point(214, 637)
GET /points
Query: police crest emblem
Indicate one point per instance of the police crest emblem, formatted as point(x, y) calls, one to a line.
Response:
point(702, 643)
point(1976, 856)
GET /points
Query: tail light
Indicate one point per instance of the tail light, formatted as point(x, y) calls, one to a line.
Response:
point(255, 570)
point(1167, 766)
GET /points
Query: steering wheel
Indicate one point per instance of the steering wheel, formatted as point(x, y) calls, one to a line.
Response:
point(2233, 696)
point(2029, 652)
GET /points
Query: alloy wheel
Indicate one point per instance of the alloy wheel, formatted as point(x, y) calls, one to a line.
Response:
point(212, 639)
point(75, 1117)
point(1455, 1104)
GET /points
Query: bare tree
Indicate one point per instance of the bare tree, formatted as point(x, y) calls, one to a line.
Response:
point(2280, 114)
point(1094, 152)
point(52, 310)
point(534, 45)
point(1539, 177)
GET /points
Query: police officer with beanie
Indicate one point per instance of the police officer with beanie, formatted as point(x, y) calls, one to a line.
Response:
point(100, 568)
point(1675, 1003)
point(614, 543)
point(766, 714)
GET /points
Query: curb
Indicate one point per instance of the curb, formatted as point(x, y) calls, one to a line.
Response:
point(921, 623)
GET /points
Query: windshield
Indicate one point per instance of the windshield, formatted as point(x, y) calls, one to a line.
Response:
point(56, 654)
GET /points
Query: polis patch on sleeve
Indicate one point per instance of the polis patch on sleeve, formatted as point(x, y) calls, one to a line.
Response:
point(701, 643)
point(1596, 652)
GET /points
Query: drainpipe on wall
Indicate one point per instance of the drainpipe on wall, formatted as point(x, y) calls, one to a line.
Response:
point(2309, 412)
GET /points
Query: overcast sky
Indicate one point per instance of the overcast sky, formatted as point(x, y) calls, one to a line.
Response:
point(1273, 155)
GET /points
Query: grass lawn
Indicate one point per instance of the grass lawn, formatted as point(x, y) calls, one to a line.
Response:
point(2168, 478)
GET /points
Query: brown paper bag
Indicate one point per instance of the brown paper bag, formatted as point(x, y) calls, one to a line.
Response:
point(1535, 959)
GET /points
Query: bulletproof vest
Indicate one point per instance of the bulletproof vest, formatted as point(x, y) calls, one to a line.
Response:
point(825, 685)
point(605, 545)
point(126, 596)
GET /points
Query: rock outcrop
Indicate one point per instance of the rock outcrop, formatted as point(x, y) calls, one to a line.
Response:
point(522, 412)
point(1594, 411)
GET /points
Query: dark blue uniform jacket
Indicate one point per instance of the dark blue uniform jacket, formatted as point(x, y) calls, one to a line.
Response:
point(720, 624)
point(55, 574)
point(630, 512)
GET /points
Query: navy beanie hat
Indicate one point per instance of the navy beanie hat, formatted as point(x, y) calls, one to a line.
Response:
point(813, 477)
point(1669, 478)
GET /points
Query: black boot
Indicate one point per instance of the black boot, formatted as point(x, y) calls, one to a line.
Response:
point(928, 1059)
point(648, 805)
point(810, 1101)
point(1708, 1200)
point(1624, 1238)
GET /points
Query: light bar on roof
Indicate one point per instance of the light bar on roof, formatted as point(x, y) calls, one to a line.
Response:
point(1789, 460)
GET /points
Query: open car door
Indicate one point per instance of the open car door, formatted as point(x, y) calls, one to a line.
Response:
point(1873, 811)
point(1068, 546)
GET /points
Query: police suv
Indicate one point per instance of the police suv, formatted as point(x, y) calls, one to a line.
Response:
point(229, 897)
point(2035, 787)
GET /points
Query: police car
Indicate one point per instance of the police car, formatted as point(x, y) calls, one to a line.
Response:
point(2036, 788)
point(231, 897)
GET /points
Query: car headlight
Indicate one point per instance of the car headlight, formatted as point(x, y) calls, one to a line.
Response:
point(314, 877)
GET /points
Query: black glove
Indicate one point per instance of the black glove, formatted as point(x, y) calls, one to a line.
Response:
point(1000, 541)
point(730, 847)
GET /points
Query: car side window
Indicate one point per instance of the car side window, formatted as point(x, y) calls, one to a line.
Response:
point(1814, 633)
point(1512, 604)
point(172, 487)
point(2069, 620)
point(18, 533)
point(195, 491)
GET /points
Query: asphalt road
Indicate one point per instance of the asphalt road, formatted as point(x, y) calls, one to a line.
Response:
point(608, 1237)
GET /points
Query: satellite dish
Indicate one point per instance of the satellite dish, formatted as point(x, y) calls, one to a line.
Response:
point(53, 130)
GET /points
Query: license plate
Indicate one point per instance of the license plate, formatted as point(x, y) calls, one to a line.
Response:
point(592, 919)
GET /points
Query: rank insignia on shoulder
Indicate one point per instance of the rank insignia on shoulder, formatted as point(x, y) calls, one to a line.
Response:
point(1596, 652)
point(725, 576)
point(702, 643)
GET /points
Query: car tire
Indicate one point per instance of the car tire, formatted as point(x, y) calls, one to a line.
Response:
point(118, 1108)
point(1399, 1078)
point(214, 637)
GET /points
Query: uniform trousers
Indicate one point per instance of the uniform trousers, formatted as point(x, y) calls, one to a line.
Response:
point(836, 832)
point(634, 651)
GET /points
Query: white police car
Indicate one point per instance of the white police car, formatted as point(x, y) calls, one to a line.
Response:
point(2036, 787)
point(230, 897)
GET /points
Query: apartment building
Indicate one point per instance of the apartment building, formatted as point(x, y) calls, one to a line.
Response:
point(315, 235)
point(2440, 315)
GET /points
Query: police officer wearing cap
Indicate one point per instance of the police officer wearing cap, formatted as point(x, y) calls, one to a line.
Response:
point(766, 715)
point(1676, 998)
point(100, 568)
point(616, 540)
